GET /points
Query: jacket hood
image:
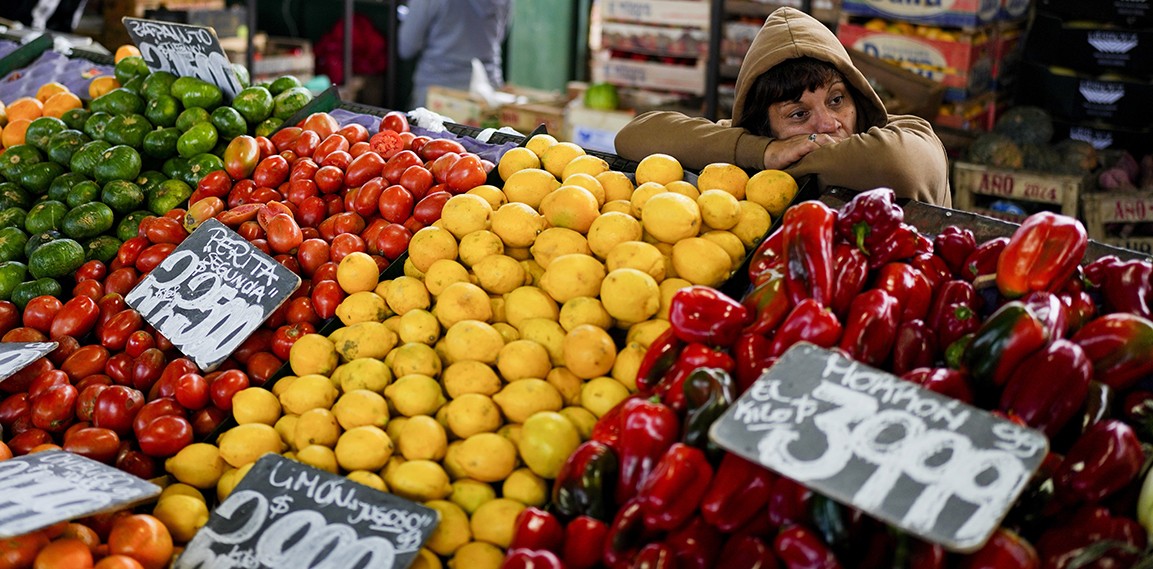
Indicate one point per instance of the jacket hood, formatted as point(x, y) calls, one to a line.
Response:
point(789, 33)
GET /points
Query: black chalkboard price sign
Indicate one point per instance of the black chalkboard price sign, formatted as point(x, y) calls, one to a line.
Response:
point(183, 50)
point(287, 515)
point(40, 489)
point(15, 356)
point(211, 293)
point(924, 462)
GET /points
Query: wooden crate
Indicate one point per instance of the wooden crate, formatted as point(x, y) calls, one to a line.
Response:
point(1122, 219)
point(976, 186)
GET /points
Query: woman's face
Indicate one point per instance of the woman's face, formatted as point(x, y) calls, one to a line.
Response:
point(828, 110)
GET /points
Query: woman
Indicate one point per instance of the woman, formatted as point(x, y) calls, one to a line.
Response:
point(801, 106)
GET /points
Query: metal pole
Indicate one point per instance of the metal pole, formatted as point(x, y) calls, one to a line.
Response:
point(249, 54)
point(347, 41)
point(713, 65)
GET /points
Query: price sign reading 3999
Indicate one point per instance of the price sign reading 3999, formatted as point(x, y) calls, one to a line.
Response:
point(924, 462)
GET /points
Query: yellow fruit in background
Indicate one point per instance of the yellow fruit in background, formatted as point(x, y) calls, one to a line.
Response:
point(584, 310)
point(601, 394)
point(525, 487)
point(729, 178)
point(182, 515)
point(357, 272)
point(443, 273)
point(532, 273)
point(230, 479)
point(472, 413)
point(529, 302)
point(125, 50)
point(773, 190)
point(645, 333)
point(701, 261)
point(546, 442)
point(366, 447)
point(659, 168)
point(516, 223)
point(669, 287)
point(617, 206)
point(469, 494)
point(617, 185)
point(404, 293)
point(308, 392)
point(589, 351)
point(426, 559)
point(491, 194)
point(610, 229)
point(414, 395)
point(422, 438)
point(495, 520)
point(730, 243)
point(473, 340)
point(418, 480)
point(181, 489)
point(414, 359)
point(556, 241)
point(47, 90)
point(464, 213)
point(312, 354)
point(499, 274)
point(362, 373)
point(566, 383)
point(683, 188)
point(431, 244)
point(462, 301)
point(243, 444)
point(477, 245)
point(410, 269)
point(362, 340)
point(320, 457)
point(753, 224)
point(360, 407)
point(521, 359)
point(585, 164)
point(255, 405)
point(671, 217)
point(642, 195)
point(477, 555)
point(556, 157)
point(60, 103)
point(315, 427)
point(14, 132)
point(515, 160)
point(470, 377)
point(198, 465)
point(538, 143)
point(572, 207)
point(419, 326)
point(582, 418)
point(572, 275)
point(631, 296)
point(26, 108)
point(719, 209)
point(363, 306)
point(370, 479)
point(487, 457)
point(529, 186)
point(102, 85)
point(644, 257)
point(453, 530)
point(519, 400)
point(548, 333)
point(285, 427)
point(587, 182)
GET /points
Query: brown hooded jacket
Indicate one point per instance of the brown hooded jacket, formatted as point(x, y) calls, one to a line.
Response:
point(897, 151)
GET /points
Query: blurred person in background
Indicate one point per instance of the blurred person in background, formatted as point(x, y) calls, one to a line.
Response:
point(446, 35)
point(54, 15)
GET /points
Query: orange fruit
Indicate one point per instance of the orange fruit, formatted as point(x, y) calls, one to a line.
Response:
point(29, 108)
point(101, 85)
point(60, 103)
point(48, 89)
point(68, 552)
point(14, 133)
point(123, 51)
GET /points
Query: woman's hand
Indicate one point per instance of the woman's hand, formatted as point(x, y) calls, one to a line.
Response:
point(782, 152)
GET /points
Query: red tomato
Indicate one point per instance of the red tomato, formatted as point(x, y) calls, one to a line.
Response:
point(192, 391)
point(270, 210)
point(55, 408)
point(331, 143)
point(19, 381)
point(329, 179)
point(300, 190)
point(207, 419)
point(13, 407)
point(407, 138)
point(303, 169)
point(465, 174)
point(284, 137)
point(417, 180)
point(418, 142)
point(86, 401)
point(28, 439)
point(139, 341)
point(287, 335)
point(334, 204)
point(225, 386)
point(387, 143)
point(110, 305)
point(85, 361)
point(393, 241)
point(284, 234)
point(121, 281)
point(119, 368)
point(325, 272)
point(241, 192)
point(321, 123)
point(288, 261)
point(312, 253)
point(362, 169)
point(396, 203)
point(339, 159)
point(354, 133)
point(241, 156)
point(147, 367)
point(398, 164)
point(118, 562)
point(116, 407)
point(136, 463)
point(438, 147)
point(20, 552)
point(151, 257)
point(41, 311)
point(350, 197)
point(94, 442)
point(396, 121)
point(143, 538)
point(164, 436)
point(428, 209)
point(359, 148)
point(345, 222)
point(165, 230)
point(92, 289)
point(216, 184)
point(130, 249)
point(345, 244)
point(250, 230)
point(62, 553)
point(300, 310)
point(154, 409)
point(9, 316)
point(76, 318)
point(262, 195)
point(326, 296)
point(441, 166)
point(271, 171)
point(25, 334)
point(92, 270)
point(262, 366)
point(371, 232)
point(367, 197)
point(46, 381)
point(306, 144)
point(114, 334)
point(289, 155)
point(259, 341)
point(65, 346)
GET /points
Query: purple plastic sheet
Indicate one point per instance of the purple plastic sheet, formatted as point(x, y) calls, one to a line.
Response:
point(7, 46)
point(74, 73)
point(490, 152)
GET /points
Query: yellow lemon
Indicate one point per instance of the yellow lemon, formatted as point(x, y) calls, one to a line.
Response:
point(701, 262)
point(477, 555)
point(472, 413)
point(528, 302)
point(567, 384)
point(464, 213)
point(405, 293)
point(182, 515)
point(370, 479)
point(431, 244)
point(181, 489)
point(363, 340)
point(546, 442)
point(286, 427)
point(556, 241)
point(255, 405)
point(312, 354)
point(556, 157)
point(611, 229)
point(515, 160)
point(419, 326)
point(525, 487)
point(516, 223)
point(499, 274)
point(426, 559)
point(469, 494)
point(642, 195)
point(487, 457)
point(728, 178)
point(362, 373)
point(671, 217)
point(419, 480)
point(470, 377)
point(571, 207)
point(630, 295)
point(617, 206)
point(683, 188)
point(617, 185)
point(659, 168)
point(320, 457)
point(477, 245)
point(495, 520)
point(773, 190)
point(582, 418)
point(414, 359)
point(538, 143)
point(473, 340)
point(414, 395)
point(529, 186)
point(453, 530)
point(444, 273)
point(573, 275)
point(360, 407)
point(308, 392)
point(243, 444)
point(753, 224)
point(520, 399)
point(198, 465)
point(730, 243)
point(422, 438)
point(719, 209)
point(364, 306)
point(587, 182)
point(585, 164)
point(584, 310)
point(589, 351)
point(521, 359)
point(357, 272)
point(601, 394)
point(669, 287)
point(645, 333)
point(491, 194)
point(316, 427)
point(366, 447)
point(548, 333)
point(462, 301)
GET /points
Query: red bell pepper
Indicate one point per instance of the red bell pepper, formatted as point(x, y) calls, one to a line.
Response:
point(1004, 550)
point(871, 327)
point(1049, 386)
point(739, 491)
point(701, 314)
point(949, 382)
point(586, 482)
point(809, 321)
point(607, 429)
point(531, 559)
point(659, 358)
point(831, 522)
point(788, 502)
point(670, 494)
point(695, 544)
point(1010, 335)
point(768, 303)
point(626, 535)
point(1080, 308)
point(769, 258)
point(743, 551)
point(655, 556)
point(1137, 410)
point(708, 394)
point(1049, 308)
point(954, 244)
point(915, 346)
point(1041, 255)
point(752, 356)
point(952, 313)
point(933, 267)
point(671, 389)
point(983, 259)
point(1120, 345)
point(909, 286)
point(957, 321)
point(1126, 286)
point(584, 542)
point(926, 555)
point(799, 548)
point(808, 246)
point(904, 243)
point(537, 529)
point(1092, 538)
point(870, 218)
point(1098, 406)
point(1106, 458)
point(850, 274)
point(647, 432)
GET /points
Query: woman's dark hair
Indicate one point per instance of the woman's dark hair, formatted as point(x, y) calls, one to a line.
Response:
point(787, 81)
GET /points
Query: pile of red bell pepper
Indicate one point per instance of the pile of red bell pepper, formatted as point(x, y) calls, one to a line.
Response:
point(1017, 325)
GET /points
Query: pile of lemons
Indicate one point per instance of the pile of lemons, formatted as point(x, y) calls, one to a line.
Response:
point(522, 316)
